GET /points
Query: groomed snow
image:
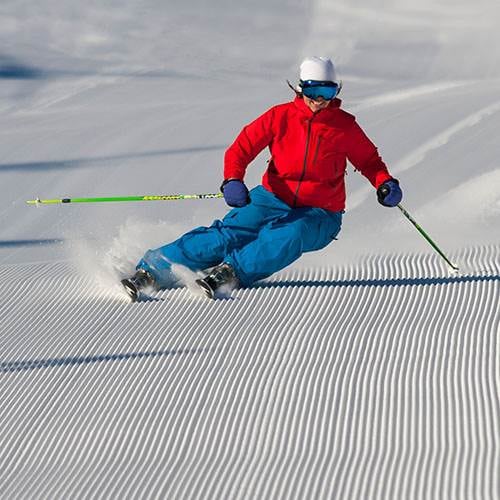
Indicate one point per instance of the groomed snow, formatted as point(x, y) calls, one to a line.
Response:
point(367, 370)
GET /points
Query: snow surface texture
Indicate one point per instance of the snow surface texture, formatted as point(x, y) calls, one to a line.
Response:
point(367, 370)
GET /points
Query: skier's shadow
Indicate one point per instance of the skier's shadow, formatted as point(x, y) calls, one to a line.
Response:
point(30, 243)
point(39, 364)
point(147, 298)
point(376, 282)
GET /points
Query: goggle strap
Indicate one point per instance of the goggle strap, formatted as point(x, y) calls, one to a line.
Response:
point(297, 92)
point(307, 83)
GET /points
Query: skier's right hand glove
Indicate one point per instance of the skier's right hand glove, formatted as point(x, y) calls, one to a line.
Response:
point(389, 193)
point(235, 193)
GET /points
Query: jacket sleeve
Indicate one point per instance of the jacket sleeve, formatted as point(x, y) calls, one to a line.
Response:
point(249, 143)
point(363, 154)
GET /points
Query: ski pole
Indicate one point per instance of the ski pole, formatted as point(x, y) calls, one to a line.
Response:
point(426, 236)
point(162, 197)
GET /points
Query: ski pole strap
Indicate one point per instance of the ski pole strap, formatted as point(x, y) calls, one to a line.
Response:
point(426, 236)
point(161, 197)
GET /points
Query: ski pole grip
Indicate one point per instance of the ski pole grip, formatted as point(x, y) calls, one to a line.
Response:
point(384, 191)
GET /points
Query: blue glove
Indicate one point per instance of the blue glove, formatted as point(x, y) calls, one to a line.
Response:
point(389, 193)
point(235, 193)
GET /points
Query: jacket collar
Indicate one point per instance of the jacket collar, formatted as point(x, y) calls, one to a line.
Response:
point(303, 108)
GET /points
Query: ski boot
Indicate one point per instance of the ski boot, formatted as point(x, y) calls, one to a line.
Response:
point(221, 276)
point(140, 280)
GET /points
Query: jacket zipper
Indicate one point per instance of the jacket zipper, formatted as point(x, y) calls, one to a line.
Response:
point(304, 165)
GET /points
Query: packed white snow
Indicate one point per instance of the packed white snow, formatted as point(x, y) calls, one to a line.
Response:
point(367, 370)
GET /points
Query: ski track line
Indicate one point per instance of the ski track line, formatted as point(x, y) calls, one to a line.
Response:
point(419, 154)
point(405, 94)
point(376, 380)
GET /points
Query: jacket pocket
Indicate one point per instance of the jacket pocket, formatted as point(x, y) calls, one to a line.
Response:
point(316, 151)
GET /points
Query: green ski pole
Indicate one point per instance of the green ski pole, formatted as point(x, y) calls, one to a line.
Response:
point(162, 197)
point(426, 236)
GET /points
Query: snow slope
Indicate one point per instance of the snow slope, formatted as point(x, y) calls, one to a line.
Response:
point(367, 370)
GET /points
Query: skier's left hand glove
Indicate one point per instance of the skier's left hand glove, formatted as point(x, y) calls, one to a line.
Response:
point(389, 193)
point(235, 193)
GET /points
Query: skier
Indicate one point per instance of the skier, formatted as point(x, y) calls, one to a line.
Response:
point(299, 206)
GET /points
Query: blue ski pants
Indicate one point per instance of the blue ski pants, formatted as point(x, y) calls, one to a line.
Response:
point(258, 240)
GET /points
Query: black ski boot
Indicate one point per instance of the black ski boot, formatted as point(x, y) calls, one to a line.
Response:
point(221, 276)
point(140, 280)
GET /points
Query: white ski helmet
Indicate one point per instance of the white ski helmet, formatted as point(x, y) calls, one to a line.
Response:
point(319, 69)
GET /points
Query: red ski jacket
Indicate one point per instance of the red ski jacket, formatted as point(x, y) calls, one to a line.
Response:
point(308, 153)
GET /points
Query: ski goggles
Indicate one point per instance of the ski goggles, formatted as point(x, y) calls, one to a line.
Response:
point(314, 89)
